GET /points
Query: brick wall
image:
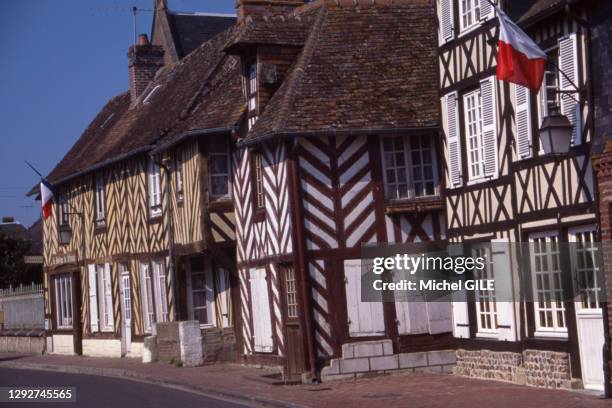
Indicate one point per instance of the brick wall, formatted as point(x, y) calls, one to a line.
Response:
point(601, 50)
point(144, 61)
point(488, 364)
point(218, 345)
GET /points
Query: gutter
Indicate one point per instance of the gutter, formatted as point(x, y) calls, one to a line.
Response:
point(334, 132)
point(190, 133)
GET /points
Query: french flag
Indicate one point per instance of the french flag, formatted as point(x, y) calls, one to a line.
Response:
point(519, 59)
point(46, 198)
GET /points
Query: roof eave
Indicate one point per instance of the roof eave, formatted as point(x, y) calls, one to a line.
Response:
point(195, 132)
point(536, 18)
point(333, 132)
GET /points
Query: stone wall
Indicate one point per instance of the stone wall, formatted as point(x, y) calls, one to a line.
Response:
point(376, 357)
point(537, 368)
point(218, 345)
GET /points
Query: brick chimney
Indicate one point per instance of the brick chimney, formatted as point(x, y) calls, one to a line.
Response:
point(246, 8)
point(144, 61)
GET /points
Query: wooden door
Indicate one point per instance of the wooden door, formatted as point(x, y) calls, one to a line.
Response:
point(295, 364)
point(364, 318)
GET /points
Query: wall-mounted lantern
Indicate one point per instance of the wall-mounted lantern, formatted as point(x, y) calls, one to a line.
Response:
point(556, 133)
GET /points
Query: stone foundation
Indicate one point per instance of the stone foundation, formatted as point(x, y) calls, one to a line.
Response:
point(218, 345)
point(376, 357)
point(175, 342)
point(34, 343)
point(102, 348)
point(537, 368)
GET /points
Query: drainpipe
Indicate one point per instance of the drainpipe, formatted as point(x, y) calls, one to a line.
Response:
point(163, 164)
point(299, 246)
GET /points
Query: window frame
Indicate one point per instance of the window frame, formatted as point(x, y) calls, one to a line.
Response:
point(178, 175)
point(555, 330)
point(148, 297)
point(478, 136)
point(63, 216)
point(409, 167)
point(472, 13)
point(251, 76)
point(100, 199)
point(154, 189)
point(64, 313)
point(226, 154)
point(485, 300)
point(160, 291)
point(257, 179)
point(105, 298)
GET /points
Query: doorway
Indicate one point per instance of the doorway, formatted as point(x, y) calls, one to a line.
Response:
point(126, 309)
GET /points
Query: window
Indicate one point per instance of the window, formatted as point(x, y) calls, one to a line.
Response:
point(469, 13)
point(258, 180)
point(290, 288)
point(473, 129)
point(219, 167)
point(178, 172)
point(148, 309)
point(546, 280)
point(585, 267)
point(155, 206)
point(99, 196)
point(63, 210)
point(198, 290)
point(105, 296)
point(161, 299)
point(486, 308)
point(409, 165)
point(126, 294)
point(548, 97)
point(252, 95)
point(63, 301)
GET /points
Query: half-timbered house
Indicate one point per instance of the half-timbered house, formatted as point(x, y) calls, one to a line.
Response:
point(142, 229)
point(340, 151)
point(501, 187)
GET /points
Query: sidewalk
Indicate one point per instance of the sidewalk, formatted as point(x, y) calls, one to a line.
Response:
point(248, 385)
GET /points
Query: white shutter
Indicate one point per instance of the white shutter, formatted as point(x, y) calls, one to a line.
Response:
point(502, 271)
point(439, 317)
point(411, 317)
point(93, 299)
point(522, 120)
point(108, 296)
point(489, 127)
point(487, 10)
point(453, 141)
point(365, 318)
point(446, 20)
point(568, 63)
point(262, 324)
point(461, 321)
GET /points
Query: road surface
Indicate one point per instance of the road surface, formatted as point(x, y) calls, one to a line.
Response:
point(104, 392)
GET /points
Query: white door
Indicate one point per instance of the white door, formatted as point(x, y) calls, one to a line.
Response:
point(364, 318)
point(589, 318)
point(262, 322)
point(126, 310)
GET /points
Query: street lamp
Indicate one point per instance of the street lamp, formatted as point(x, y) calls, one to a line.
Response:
point(556, 133)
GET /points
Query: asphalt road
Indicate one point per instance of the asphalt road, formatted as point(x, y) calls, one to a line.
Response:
point(104, 392)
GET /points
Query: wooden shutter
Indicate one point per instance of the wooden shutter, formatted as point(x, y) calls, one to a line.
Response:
point(489, 127)
point(411, 317)
point(93, 299)
point(461, 321)
point(487, 10)
point(365, 318)
point(439, 318)
point(446, 20)
point(453, 141)
point(108, 301)
point(522, 119)
point(502, 271)
point(568, 62)
point(262, 322)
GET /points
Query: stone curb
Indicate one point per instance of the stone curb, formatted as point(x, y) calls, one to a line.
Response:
point(134, 376)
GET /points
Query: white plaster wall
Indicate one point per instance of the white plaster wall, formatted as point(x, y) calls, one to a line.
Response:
point(102, 347)
point(63, 344)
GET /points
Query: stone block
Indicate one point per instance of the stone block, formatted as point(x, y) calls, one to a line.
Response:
point(441, 357)
point(367, 349)
point(428, 369)
point(190, 343)
point(337, 377)
point(149, 351)
point(383, 363)
point(411, 360)
point(354, 365)
point(333, 367)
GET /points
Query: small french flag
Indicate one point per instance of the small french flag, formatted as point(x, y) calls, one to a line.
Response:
point(519, 59)
point(46, 198)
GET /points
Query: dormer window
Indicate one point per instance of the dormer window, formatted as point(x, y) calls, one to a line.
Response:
point(219, 168)
point(178, 172)
point(252, 95)
point(150, 95)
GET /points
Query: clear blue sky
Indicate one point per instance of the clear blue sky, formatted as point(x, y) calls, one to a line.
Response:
point(61, 61)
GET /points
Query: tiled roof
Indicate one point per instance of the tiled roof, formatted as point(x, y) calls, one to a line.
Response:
point(278, 30)
point(192, 29)
point(360, 68)
point(201, 91)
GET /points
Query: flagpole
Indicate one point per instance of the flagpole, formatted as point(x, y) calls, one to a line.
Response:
point(36, 171)
point(552, 62)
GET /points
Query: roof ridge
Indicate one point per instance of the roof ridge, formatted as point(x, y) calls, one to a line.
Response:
point(298, 71)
